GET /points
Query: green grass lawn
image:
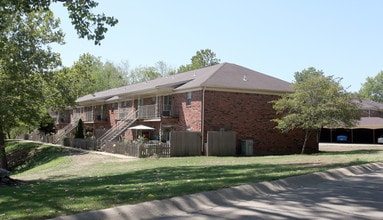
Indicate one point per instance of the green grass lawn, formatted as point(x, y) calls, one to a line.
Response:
point(60, 181)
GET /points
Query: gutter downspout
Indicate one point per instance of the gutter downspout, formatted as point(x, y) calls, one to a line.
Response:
point(203, 120)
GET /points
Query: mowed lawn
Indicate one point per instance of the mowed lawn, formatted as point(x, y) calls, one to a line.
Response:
point(59, 181)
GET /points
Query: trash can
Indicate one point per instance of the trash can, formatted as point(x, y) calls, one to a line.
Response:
point(247, 147)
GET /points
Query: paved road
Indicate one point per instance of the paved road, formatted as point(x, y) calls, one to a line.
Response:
point(348, 193)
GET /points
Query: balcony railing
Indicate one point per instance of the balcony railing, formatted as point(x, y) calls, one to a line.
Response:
point(154, 111)
point(148, 112)
point(123, 112)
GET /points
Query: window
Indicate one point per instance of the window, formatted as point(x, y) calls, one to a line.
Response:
point(167, 105)
point(140, 102)
point(167, 102)
point(189, 98)
point(123, 104)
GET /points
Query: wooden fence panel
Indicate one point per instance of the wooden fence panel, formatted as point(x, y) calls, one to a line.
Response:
point(120, 147)
point(86, 144)
point(137, 149)
point(185, 143)
point(155, 150)
point(221, 143)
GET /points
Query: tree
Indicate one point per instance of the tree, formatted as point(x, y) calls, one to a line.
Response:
point(142, 74)
point(203, 58)
point(80, 130)
point(307, 74)
point(164, 69)
point(372, 89)
point(145, 73)
point(317, 101)
point(47, 125)
point(107, 75)
point(27, 28)
point(25, 66)
point(87, 24)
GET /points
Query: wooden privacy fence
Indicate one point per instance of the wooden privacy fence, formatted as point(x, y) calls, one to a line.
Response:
point(155, 150)
point(137, 149)
point(221, 143)
point(182, 143)
point(87, 144)
point(185, 143)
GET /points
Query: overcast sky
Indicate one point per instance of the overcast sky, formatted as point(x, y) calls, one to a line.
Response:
point(343, 38)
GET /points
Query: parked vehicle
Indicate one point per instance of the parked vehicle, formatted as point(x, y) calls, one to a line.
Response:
point(342, 139)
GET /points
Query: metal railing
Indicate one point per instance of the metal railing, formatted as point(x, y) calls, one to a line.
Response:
point(117, 129)
point(148, 112)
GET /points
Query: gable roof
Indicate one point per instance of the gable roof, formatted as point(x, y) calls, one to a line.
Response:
point(232, 76)
point(220, 76)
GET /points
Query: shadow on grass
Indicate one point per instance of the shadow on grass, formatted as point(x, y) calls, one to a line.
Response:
point(49, 198)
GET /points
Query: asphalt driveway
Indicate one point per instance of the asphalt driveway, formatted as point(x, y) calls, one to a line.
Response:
point(349, 193)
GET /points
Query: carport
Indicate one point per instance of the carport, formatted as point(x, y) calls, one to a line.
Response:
point(367, 131)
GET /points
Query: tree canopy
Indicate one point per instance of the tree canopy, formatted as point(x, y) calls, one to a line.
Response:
point(87, 24)
point(317, 101)
point(25, 67)
point(202, 58)
point(27, 63)
point(372, 89)
point(102, 75)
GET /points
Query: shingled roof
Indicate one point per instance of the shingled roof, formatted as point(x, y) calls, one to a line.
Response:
point(220, 76)
point(371, 105)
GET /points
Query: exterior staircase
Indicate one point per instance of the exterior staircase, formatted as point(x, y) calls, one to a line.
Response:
point(120, 127)
point(64, 131)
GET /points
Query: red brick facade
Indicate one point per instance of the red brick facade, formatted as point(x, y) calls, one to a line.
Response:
point(221, 97)
point(189, 115)
point(249, 115)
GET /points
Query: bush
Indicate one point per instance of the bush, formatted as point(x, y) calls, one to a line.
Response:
point(80, 130)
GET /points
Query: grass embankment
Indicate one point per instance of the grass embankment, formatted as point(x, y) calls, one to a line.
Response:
point(61, 181)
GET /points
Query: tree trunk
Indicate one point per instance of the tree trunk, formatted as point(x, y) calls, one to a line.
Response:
point(3, 156)
point(307, 133)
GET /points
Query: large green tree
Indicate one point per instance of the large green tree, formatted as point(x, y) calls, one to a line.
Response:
point(142, 74)
point(87, 24)
point(27, 79)
point(102, 75)
point(372, 89)
point(145, 73)
point(25, 66)
point(317, 101)
point(202, 58)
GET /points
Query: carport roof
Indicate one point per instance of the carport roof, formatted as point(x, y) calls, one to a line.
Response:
point(370, 123)
point(368, 104)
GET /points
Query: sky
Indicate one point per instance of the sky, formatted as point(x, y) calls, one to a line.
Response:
point(343, 38)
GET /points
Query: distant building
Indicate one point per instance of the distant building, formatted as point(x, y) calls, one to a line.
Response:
point(367, 130)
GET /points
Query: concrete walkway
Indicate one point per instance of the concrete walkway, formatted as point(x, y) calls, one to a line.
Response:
point(349, 193)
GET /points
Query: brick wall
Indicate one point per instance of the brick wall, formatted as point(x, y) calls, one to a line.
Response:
point(189, 115)
point(250, 116)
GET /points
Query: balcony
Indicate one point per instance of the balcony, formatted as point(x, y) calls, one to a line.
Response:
point(148, 112)
point(155, 112)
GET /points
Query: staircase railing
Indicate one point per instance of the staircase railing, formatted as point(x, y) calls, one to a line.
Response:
point(64, 131)
point(117, 129)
